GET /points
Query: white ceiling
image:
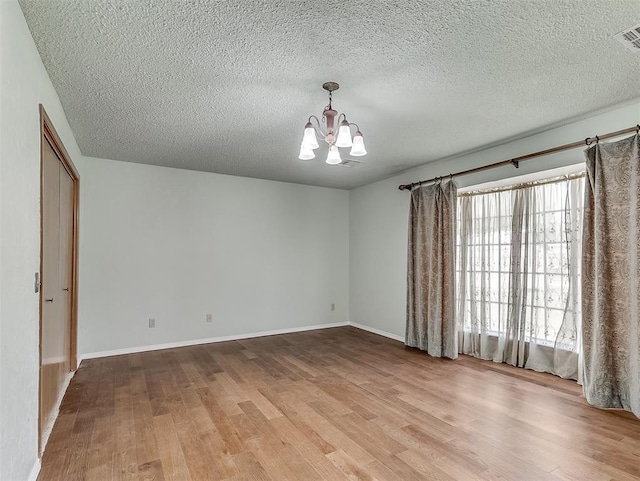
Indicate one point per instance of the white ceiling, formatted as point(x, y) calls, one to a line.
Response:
point(227, 87)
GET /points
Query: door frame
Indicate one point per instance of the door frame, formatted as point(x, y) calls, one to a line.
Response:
point(48, 134)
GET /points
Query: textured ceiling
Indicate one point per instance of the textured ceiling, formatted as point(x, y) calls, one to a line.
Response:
point(226, 87)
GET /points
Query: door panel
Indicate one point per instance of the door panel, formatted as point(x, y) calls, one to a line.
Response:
point(54, 328)
point(66, 264)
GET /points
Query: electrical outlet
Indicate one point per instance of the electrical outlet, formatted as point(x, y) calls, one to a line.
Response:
point(209, 317)
point(333, 307)
point(152, 323)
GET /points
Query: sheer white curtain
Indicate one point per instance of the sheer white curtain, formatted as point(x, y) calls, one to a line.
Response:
point(519, 275)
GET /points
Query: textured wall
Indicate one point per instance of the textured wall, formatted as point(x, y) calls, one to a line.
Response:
point(25, 84)
point(379, 214)
point(176, 245)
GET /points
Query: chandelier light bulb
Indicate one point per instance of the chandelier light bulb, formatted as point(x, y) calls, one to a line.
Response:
point(309, 140)
point(306, 154)
point(333, 157)
point(344, 135)
point(358, 145)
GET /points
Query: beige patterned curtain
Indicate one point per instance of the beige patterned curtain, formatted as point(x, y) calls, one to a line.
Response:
point(431, 323)
point(611, 276)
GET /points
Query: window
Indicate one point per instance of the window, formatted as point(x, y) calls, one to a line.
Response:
point(518, 267)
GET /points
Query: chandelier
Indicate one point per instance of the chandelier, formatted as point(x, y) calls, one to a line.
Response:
point(342, 139)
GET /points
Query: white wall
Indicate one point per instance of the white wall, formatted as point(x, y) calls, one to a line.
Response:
point(379, 213)
point(175, 245)
point(24, 84)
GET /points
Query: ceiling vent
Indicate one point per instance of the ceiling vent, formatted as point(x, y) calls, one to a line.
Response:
point(630, 38)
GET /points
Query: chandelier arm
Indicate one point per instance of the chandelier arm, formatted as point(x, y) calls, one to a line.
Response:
point(317, 130)
point(356, 125)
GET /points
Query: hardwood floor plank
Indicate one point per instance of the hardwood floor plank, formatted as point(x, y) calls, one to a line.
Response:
point(75, 465)
point(100, 463)
point(293, 409)
point(125, 462)
point(287, 451)
point(221, 420)
point(174, 464)
point(307, 448)
point(195, 453)
point(251, 468)
point(332, 404)
point(266, 452)
point(335, 436)
point(101, 456)
point(145, 440)
point(347, 396)
point(351, 468)
point(150, 471)
point(215, 448)
point(264, 405)
point(235, 392)
point(437, 467)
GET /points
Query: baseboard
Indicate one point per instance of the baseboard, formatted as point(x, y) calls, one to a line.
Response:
point(235, 337)
point(35, 471)
point(193, 342)
point(377, 331)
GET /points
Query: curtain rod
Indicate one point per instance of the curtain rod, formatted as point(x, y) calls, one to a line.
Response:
point(516, 161)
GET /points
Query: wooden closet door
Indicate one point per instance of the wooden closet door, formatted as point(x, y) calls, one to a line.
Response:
point(54, 328)
point(66, 261)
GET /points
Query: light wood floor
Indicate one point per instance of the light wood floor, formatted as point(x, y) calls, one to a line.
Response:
point(333, 404)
